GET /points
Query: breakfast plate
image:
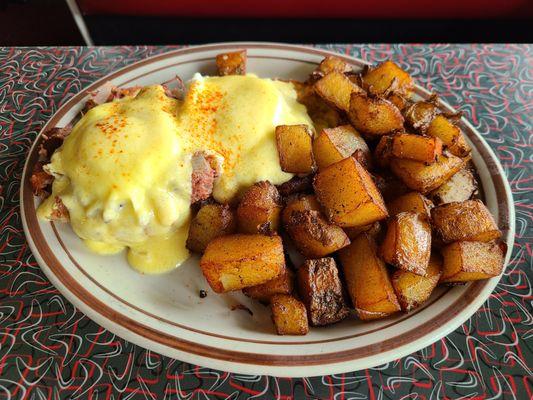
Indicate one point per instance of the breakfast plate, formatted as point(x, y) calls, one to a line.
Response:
point(165, 313)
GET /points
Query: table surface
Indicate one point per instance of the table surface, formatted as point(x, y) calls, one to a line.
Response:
point(49, 350)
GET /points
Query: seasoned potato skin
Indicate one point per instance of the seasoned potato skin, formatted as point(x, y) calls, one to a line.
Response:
point(259, 209)
point(413, 202)
point(238, 261)
point(313, 236)
point(373, 230)
point(419, 115)
point(460, 187)
point(294, 143)
point(289, 315)
point(282, 284)
point(330, 64)
point(387, 76)
point(383, 151)
point(374, 116)
point(470, 261)
point(425, 149)
point(211, 221)
point(407, 243)
point(334, 144)
point(321, 291)
point(297, 184)
point(335, 88)
point(300, 202)
point(412, 290)
point(349, 195)
point(367, 280)
point(469, 220)
point(231, 63)
point(425, 178)
point(450, 134)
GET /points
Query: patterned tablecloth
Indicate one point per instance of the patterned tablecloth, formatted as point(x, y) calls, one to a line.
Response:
point(49, 350)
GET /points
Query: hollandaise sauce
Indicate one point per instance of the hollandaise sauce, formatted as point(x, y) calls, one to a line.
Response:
point(124, 172)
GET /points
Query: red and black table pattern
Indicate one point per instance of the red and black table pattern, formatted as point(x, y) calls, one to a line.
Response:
point(49, 350)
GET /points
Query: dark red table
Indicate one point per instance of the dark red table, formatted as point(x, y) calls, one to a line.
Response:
point(48, 350)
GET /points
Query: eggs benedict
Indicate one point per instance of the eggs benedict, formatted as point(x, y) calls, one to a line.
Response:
point(130, 168)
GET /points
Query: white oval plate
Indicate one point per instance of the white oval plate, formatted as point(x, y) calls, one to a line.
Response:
point(165, 314)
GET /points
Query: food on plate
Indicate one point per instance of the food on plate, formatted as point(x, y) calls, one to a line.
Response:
point(259, 209)
point(367, 279)
point(238, 261)
point(252, 172)
point(335, 144)
point(413, 289)
point(289, 315)
point(321, 290)
point(295, 148)
point(468, 220)
point(211, 221)
point(407, 243)
point(471, 261)
point(348, 194)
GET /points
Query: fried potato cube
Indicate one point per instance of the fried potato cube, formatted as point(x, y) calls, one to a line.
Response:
point(322, 114)
point(300, 202)
point(373, 230)
point(411, 202)
point(335, 144)
point(450, 134)
point(331, 64)
point(425, 149)
point(335, 88)
point(289, 315)
point(231, 63)
point(238, 261)
point(374, 116)
point(211, 221)
point(420, 114)
point(398, 100)
point(349, 195)
point(282, 284)
point(460, 187)
point(425, 178)
point(383, 151)
point(367, 280)
point(471, 261)
point(469, 220)
point(321, 290)
point(259, 209)
point(378, 80)
point(407, 243)
point(313, 236)
point(295, 148)
point(412, 290)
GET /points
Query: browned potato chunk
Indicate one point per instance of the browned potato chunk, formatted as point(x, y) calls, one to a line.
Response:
point(469, 220)
point(211, 221)
point(380, 79)
point(462, 186)
point(321, 291)
point(289, 315)
point(407, 244)
point(383, 151)
point(398, 100)
point(411, 202)
point(450, 134)
point(335, 144)
point(237, 261)
point(295, 149)
point(367, 280)
point(297, 184)
point(232, 63)
point(373, 230)
point(374, 116)
point(283, 284)
point(313, 236)
point(300, 202)
point(425, 149)
point(425, 178)
point(413, 290)
point(390, 186)
point(335, 88)
point(349, 195)
point(323, 115)
point(471, 261)
point(331, 64)
point(420, 114)
point(259, 209)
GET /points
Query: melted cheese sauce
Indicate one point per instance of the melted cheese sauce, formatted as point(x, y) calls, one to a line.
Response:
point(124, 173)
